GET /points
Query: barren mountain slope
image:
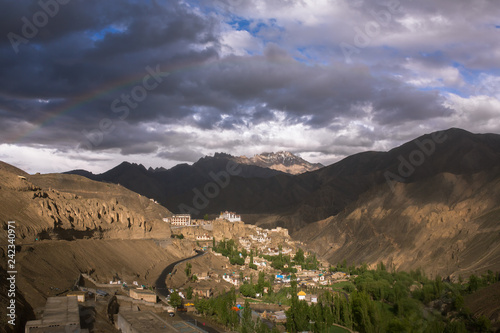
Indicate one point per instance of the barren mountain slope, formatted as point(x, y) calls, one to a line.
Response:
point(47, 265)
point(54, 213)
point(447, 224)
point(68, 206)
point(311, 196)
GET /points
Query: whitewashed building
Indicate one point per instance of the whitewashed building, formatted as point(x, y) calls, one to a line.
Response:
point(205, 237)
point(231, 279)
point(230, 216)
point(179, 219)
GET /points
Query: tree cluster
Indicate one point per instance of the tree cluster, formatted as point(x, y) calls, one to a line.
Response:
point(229, 249)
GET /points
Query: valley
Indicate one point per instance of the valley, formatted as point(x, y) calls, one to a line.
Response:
point(316, 231)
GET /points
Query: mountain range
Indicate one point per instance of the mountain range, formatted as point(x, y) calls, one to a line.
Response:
point(282, 161)
point(310, 196)
point(431, 202)
point(178, 186)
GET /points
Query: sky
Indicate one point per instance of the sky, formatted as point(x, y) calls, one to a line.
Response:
point(89, 84)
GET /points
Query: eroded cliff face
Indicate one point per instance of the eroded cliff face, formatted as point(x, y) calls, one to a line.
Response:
point(72, 207)
point(447, 225)
point(67, 225)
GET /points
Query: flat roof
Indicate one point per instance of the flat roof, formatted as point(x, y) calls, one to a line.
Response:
point(143, 291)
point(58, 312)
point(149, 322)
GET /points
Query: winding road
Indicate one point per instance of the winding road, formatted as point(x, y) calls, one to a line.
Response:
point(161, 286)
point(163, 292)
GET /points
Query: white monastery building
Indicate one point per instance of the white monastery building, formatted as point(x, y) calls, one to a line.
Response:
point(230, 216)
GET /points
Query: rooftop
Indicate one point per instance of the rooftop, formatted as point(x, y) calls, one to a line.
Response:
point(143, 291)
point(58, 313)
point(148, 322)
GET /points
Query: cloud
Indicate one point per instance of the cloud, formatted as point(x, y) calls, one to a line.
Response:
point(244, 77)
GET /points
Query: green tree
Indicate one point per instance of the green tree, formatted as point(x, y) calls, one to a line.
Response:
point(261, 283)
point(483, 324)
point(175, 300)
point(473, 283)
point(247, 290)
point(458, 302)
point(247, 324)
point(293, 284)
point(189, 292)
point(297, 315)
point(381, 266)
point(299, 256)
point(187, 270)
point(205, 217)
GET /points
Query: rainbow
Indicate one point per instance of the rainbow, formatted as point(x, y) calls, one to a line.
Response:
point(78, 102)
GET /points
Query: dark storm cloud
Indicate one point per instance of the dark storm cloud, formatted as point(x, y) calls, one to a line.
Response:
point(186, 155)
point(93, 53)
point(146, 148)
point(399, 105)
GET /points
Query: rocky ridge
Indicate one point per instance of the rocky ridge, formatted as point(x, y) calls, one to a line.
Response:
point(282, 161)
point(73, 207)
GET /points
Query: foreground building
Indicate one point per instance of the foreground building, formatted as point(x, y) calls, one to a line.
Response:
point(143, 294)
point(60, 315)
point(149, 322)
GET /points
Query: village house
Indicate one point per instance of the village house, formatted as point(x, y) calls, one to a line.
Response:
point(80, 295)
point(61, 314)
point(280, 230)
point(339, 276)
point(231, 279)
point(259, 262)
point(301, 295)
point(203, 292)
point(272, 252)
point(245, 243)
point(204, 237)
point(261, 233)
point(179, 219)
point(279, 317)
point(145, 295)
point(259, 238)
